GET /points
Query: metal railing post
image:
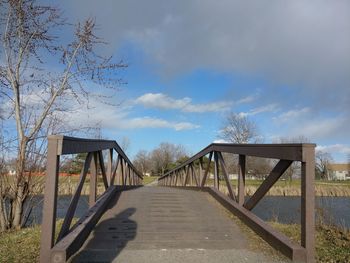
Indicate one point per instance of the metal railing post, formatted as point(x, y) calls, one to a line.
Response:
point(93, 180)
point(216, 171)
point(50, 201)
point(241, 179)
point(308, 203)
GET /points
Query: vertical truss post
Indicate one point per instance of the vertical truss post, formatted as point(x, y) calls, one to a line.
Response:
point(93, 180)
point(241, 179)
point(109, 166)
point(216, 171)
point(200, 170)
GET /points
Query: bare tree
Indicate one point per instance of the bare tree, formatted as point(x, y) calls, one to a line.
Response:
point(323, 160)
point(238, 129)
point(125, 144)
point(142, 162)
point(165, 156)
point(36, 96)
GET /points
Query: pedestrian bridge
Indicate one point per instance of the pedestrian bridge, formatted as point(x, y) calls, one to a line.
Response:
point(184, 218)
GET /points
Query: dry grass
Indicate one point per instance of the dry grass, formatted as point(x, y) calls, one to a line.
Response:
point(287, 188)
point(332, 243)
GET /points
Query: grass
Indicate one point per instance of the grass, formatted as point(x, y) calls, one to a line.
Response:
point(332, 244)
point(20, 245)
point(23, 246)
point(149, 179)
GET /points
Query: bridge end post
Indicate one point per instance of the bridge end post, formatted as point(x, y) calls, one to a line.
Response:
point(50, 200)
point(308, 203)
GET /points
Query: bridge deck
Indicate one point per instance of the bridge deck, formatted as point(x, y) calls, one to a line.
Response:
point(160, 224)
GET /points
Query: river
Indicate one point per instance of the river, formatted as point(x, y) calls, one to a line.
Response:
point(284, 209)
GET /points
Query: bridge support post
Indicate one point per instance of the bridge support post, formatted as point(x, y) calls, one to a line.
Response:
point(50, 201)
point(308, 203)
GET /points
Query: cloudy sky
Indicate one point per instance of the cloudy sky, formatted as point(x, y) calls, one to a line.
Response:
point(284, 64)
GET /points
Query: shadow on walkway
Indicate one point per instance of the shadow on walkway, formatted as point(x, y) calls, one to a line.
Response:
point(109, 238)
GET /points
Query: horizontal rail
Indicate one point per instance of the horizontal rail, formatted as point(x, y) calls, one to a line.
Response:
point(290, 151)
point(71, 145)
point(185, 175)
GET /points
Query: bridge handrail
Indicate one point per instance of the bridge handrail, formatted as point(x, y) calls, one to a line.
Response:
point(70, 238)
point(186, 174)
point(289, 151)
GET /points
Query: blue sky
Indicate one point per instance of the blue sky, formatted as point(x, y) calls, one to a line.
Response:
point(284, 64)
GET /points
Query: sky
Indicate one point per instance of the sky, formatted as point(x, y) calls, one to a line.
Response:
point(283, 64)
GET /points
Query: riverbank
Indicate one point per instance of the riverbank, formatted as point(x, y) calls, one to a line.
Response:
point(293, 188)
point(67, 186)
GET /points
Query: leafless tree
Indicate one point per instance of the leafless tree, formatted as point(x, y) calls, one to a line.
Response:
point(142, 162)
point(323, 159)
point(238, 129)
point(165, 156)
point(125, 144)
point(35, 96)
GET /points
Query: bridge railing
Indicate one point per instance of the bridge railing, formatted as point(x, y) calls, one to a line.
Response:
point(119, 175)
point(193, 175)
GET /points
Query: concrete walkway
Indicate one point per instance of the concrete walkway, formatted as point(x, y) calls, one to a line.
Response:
point(160, 224)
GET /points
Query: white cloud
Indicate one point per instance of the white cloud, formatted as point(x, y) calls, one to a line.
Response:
point(148, 122)
point(292, 114)
point(301, 46)
point(247, 99)
point(334, 148)
point(220, 141)
point(110, 117)
point(162, 101)
point(314, 127)
point(267, 108)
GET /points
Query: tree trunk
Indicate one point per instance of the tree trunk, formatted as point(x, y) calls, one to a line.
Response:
point(20, 187)
point(3, 224)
